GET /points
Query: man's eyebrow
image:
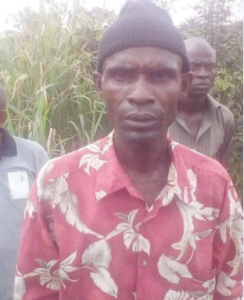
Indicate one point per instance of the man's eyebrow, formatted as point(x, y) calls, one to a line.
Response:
point(121, 68)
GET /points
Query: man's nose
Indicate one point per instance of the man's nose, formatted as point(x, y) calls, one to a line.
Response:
point(141, 93)
point(202, 72)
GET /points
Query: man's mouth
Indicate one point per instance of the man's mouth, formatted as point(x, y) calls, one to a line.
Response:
point(202, 85)
point(137, 120)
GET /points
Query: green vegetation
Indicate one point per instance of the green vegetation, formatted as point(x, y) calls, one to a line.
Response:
point(46, 65)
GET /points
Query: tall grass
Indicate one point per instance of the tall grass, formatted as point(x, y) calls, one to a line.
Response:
point(47, 62)
point(46, 66)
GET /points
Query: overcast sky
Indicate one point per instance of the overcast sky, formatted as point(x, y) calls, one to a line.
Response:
point(181, 10)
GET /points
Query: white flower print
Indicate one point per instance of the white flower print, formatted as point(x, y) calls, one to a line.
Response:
point(92, 160)
point(99, 195)
point(171, 188)
point(53, 278)
point(29, 210)
point(19, 287)
point(193, 182)
point(66, 267)
point(209, 285)
point(235, 226)
point(131, 235)
point(67, 202)
point(50, 279)
point(174, 295)
point(109, 143)
point(190, 209)
point(42, 192)
point(98, 254)
point(222, 231)
point(97, 258)
point(95, 147)
point(105, 282)
point(173, 145)
point(172, 270)
point(225, 284)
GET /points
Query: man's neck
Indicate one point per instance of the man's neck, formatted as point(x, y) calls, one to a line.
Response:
point(146, 164)
point(193, 105)
point(142, 159)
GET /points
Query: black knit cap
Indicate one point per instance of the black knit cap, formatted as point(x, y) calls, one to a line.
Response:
point(142, 24)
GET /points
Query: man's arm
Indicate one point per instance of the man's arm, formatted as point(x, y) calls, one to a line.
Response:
point(38, 262)
point(229, 124)
point(227, 249)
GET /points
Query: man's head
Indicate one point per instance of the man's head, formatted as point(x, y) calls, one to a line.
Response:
point(202, 59)
point(142, 72)
point(3, 104)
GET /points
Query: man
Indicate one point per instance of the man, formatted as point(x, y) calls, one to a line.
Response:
point(202, 123)
point(134, 215)
point(20, 160)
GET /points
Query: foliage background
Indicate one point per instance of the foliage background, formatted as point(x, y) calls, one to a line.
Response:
point(47, 61)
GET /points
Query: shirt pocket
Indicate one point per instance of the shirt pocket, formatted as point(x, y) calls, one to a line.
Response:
point(200, 286)
point(18, 182)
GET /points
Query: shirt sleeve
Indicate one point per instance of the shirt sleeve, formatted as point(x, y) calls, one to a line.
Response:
point(227, 254)
point(37, 274)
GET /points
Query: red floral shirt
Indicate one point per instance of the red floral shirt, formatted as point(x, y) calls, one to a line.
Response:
point(88, 234)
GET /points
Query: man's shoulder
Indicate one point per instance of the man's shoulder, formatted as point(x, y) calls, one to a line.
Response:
point(202, 164)
point(87, 156)
point(227, 115)
point(28, 145)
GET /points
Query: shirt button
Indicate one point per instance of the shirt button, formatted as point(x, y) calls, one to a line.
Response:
point(144, 263)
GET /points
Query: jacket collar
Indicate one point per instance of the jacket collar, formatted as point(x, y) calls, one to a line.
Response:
point(9, 147)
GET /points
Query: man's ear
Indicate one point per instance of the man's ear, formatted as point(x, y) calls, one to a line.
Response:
point(186, 83)
point(97, 78)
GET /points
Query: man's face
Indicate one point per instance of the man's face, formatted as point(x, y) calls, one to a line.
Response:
point(203, 67)
point(142, 87)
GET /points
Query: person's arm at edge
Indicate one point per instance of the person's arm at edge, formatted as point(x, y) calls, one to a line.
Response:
point(38, 250)
point(224, 152)
point(227, 247)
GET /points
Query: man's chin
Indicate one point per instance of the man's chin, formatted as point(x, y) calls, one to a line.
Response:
point(199, 92)
point(143, 137)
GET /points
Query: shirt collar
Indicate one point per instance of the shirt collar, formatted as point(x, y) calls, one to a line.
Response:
point(9, 147)
point(112, 177)
point(208, 119)
point(211, 107)
point(212, 102)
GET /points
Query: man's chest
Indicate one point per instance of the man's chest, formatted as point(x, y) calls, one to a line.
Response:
point(118, 248)
point(194, 123)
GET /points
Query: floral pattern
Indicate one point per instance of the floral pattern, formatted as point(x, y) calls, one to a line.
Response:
point(94, 237)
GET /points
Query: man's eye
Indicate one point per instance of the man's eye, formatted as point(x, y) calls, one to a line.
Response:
point(210, 68)
point(159, 75)
point(193, 67)
point(122, 75)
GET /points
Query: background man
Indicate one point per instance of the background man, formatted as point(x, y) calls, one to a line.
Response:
point(20, 161)
point(135, 215)
point(202, 123)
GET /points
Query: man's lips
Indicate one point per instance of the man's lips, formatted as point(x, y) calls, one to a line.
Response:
point(202, 85)
point(136, 120)
point(140, 117)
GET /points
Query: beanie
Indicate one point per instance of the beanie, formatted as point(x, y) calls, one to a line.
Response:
point(142, 24)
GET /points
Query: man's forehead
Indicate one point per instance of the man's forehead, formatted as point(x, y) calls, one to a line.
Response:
point(198, 47)
point(143, 55)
